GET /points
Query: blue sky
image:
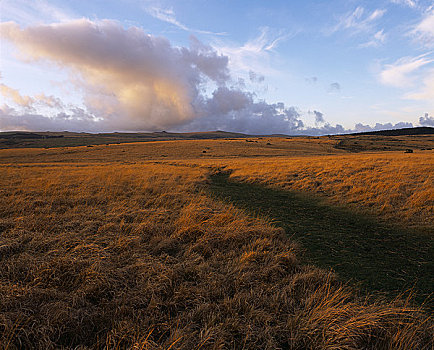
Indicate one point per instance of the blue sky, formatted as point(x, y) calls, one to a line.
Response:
point(335, 65)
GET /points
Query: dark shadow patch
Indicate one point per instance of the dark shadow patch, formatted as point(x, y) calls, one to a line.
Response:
point(378, 257)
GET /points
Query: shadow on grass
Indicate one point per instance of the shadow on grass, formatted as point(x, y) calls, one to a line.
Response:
point(377, 257)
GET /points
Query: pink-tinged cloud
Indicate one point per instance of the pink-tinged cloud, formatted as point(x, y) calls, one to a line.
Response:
point(135, 81)
point(128, 76)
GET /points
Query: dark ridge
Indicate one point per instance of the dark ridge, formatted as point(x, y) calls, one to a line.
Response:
point(26, 135)
point(19, 139)
point(422, 130)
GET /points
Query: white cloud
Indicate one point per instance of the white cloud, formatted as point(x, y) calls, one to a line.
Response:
point(409, 3)
point(404, 71)
point(255, 54)
point(358, 21)
point(168, 15)
point(424, 30)
point(377, 39)
point(33, 11)
point(165, 15)
point(425, 91)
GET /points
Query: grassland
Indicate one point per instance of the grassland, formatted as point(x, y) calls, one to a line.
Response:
point(123, 246)
point(396, 187)
point(376, 257)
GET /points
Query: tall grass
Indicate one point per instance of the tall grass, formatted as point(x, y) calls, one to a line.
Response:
point(136, 256)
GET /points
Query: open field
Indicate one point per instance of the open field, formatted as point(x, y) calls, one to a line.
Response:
point(392, 140)
point(20, 139)
point(394, 186)
point(118, 246)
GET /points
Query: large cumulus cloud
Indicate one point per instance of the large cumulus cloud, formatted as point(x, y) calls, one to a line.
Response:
point(131, 79)
point(135, 81)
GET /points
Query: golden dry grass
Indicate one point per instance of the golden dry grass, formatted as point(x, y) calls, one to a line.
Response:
point(164, 150)
point(393, 186)
point(95, 253)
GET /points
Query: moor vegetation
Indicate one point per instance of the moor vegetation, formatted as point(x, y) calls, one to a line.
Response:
point(396, 187)
point(119, 247)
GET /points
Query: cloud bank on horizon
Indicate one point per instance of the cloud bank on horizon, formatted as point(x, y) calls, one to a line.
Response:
point(130, 80)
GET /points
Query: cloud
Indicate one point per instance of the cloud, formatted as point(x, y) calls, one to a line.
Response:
point(33, 11)
point(378, 126)
point(241, 113)
point(426, 120)
point(423, 32)
point(48, 101)
point(409, 3)
point(135, 81)
point(77, 120)
point(401, 73)
point(377, 39)
point(425, 88)
point(358, 21)
point(168, 15)
point(311, 80)
point(30, 102)
point(256, 78)
point(319, 117)
point(15, 96)
point(255, 54)
point(334, 87)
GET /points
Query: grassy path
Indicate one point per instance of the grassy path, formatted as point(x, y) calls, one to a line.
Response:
point(379, 258)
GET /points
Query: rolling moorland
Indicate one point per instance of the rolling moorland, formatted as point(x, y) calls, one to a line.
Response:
point(217, 243)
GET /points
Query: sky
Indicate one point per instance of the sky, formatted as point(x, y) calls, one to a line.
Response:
point(260, 67)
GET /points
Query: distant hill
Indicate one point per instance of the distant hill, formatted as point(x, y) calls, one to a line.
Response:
point(352, 142)
point(422, 130)
point(24, 139)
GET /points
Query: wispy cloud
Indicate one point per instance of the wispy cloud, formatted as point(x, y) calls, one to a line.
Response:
point(409, 3)
point(425, 91)
point(423, 32)
point(14, 95)
point(33, 11)
point(415, 75)
point(168, 15)
point(358, 21)
point(254, 55)
point(402, 73)
point(377, 39)
point(31, 102)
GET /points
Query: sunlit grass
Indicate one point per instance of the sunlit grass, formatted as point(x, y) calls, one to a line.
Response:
point(394, 186)
point(97, 252)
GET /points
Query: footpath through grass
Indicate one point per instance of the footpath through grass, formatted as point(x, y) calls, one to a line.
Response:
point(377, 257)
